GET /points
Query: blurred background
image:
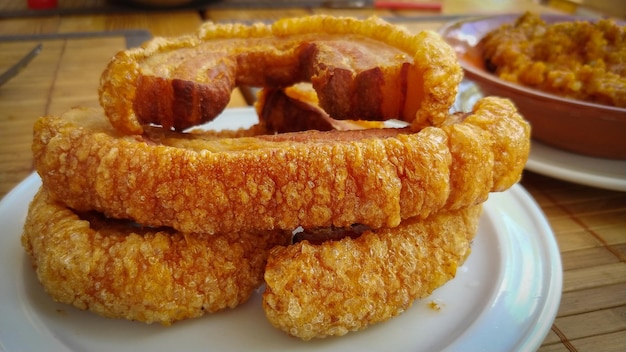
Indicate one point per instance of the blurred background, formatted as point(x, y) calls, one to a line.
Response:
point(20, 8)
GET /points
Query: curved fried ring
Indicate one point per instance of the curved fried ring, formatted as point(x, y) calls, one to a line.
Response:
point(120, 270)
point(364, 69)
point(315, 291)
point(309, 179)
point(282, 110)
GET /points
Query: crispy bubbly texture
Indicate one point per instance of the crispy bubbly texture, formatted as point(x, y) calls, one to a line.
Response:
point(315, 291)
point(361, 69)
point(121, 270)
point(309, 179)
point(579, 59)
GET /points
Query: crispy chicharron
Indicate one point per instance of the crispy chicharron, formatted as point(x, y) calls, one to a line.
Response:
point(141, 218)
point(122, 270)
point(309, 179)
point(367, 69)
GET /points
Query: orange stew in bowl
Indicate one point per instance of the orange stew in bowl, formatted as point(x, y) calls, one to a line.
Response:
point(582, 60)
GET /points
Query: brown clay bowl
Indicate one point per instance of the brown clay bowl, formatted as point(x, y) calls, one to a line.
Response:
point(573, 125)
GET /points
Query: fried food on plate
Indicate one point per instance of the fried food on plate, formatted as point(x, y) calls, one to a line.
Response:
point(142, 217)
point(360, 69)
point(315, 291)
point(580, 59)
point(309, 179)
point(122, 270)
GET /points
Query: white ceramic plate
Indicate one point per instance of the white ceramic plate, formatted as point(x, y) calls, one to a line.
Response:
point(504, 298)
point(558, 163)
point(584, 170)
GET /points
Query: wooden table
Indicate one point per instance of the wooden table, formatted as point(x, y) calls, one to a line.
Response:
point(589, 223)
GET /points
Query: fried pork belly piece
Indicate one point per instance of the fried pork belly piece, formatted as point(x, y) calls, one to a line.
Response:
point(374, 177)
point(361, 69)
point(296, 109)
point(510, 134)
point(312, 179)
point(282, 110)
point(122, 270)
point(330, 289)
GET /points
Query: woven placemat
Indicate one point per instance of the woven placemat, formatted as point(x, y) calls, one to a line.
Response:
point(133, 37)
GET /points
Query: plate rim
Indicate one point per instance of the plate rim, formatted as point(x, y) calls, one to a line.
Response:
point(587, 176)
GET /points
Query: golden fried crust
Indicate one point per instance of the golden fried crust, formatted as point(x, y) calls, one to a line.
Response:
point(315, 291)
point(360, 69)
point(494, 125)
point(210, 186)
point(511, 138)
point(309, 179)
point(120, 270)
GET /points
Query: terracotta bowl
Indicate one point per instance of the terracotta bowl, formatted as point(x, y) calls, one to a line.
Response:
point(572, 125)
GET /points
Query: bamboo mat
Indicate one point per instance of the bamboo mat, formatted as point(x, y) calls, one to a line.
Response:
point(590, 228)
